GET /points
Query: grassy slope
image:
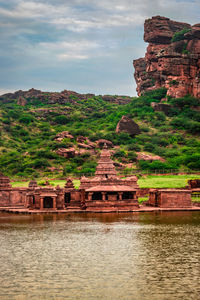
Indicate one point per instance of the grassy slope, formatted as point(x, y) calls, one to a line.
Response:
point(28, 148)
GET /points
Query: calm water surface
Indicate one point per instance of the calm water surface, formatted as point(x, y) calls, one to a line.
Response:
point(101, 256)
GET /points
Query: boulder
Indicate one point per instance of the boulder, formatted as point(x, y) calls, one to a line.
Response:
point(127, 125)
point(63, 135)
point(161, 107)
point(68, 153)
point(149, 157)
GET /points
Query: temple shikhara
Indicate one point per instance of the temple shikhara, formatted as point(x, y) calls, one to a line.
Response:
point(105, 192)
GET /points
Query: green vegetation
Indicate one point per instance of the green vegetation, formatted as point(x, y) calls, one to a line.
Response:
point(146, 181)
point(165, 181)
point(179, 36)
point(28, 146)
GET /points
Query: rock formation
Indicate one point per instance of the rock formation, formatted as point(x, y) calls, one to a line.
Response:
point(172, 59)
point(24, 97)
point(127, 125)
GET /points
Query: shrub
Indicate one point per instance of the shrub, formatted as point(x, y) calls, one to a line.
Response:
point(132, 156)
point(62, 119)
point(26, 119)
point(149, 147)
point(178, 36)
point(134, 147)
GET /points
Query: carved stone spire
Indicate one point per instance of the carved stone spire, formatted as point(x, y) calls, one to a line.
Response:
point(105, 167)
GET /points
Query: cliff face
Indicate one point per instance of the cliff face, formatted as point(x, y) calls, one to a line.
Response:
point(172, 59)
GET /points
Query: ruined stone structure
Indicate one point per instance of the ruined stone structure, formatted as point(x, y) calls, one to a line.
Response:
point(173, 63)
point(105, 192)
point(170, 198)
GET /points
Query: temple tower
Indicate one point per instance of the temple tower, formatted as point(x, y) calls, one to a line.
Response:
point(105, 168)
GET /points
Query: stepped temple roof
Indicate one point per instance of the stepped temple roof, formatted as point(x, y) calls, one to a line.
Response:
point(105, 167)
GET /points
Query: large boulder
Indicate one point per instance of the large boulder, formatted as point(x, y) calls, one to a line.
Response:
point(127, 125)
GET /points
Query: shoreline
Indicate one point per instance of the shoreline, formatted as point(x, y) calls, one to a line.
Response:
point(50, 211)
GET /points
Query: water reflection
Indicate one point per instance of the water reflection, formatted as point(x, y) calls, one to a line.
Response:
point(100, 256)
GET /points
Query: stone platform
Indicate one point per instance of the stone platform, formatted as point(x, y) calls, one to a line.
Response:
point(17, 210)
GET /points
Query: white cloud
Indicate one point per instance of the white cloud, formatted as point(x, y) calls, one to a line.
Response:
point(73, 50)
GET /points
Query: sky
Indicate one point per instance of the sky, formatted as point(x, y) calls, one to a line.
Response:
point(87, 46)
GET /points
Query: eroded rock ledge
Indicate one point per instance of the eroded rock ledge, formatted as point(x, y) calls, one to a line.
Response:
point(172, 59)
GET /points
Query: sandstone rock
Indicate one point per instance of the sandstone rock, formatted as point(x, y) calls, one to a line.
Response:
point(81, 139)
point(101, 142)
point(149, 157)
point(120, 100)
point(127, 125)
point(68, 153)
point(175, 66)
point(22, 101)
point(160, 30)
point(84, 146)
point(63, 135)
point(161, 107)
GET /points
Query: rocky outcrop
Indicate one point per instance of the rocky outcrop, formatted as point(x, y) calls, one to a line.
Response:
point(67, 153)
point(161, 107)
point(24, 97)
point(21, 101)
point(63, 135)
point(172, 59)
point(149, 157)
point(127, 125)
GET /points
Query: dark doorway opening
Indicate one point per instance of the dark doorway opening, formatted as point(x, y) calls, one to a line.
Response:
point(97, 196)
point(67, 198)
point(127, 195)
point(48, 202)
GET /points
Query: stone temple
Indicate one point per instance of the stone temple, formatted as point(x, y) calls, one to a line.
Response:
point(105, 192)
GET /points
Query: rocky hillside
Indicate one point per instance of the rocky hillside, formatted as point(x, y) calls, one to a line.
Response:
point(58, 134)
point(172, 59)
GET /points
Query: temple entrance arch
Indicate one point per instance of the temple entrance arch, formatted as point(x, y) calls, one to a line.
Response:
point(48, 202)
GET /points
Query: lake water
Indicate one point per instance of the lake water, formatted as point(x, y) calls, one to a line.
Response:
point(100, 256)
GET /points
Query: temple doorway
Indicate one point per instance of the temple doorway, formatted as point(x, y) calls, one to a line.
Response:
point(127, 195)
point(67, 198)
point(97, 196)
point(48, 202)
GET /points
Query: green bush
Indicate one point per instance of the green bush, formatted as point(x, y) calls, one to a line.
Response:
point(62, 119)
point(178, 36)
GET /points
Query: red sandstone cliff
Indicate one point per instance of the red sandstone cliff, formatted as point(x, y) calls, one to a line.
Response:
point(174, 65)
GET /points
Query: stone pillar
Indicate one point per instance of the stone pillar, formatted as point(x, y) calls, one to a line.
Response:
point(90, 196)
point(103, 196)
point(41, 203)
point(120, 196)
point(54, 202)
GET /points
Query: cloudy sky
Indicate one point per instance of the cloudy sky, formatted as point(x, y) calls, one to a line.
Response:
point(80, 45)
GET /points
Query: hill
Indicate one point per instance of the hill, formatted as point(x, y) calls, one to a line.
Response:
point(57, 134)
